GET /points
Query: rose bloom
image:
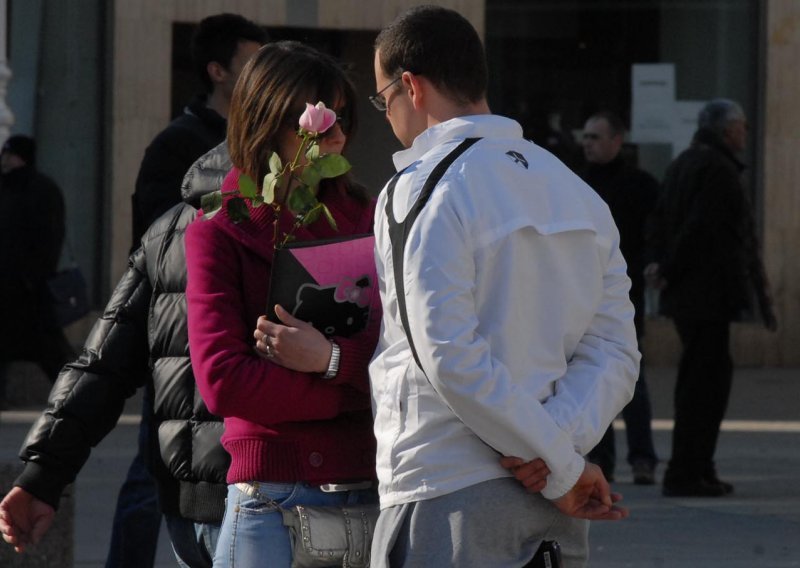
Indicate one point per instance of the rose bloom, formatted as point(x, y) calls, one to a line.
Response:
point(317, 119)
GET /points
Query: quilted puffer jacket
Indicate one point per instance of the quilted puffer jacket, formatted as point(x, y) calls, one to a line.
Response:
point(141, 334)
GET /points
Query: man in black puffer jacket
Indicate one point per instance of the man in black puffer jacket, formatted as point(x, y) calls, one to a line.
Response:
point(221, 46)
point(143, 331)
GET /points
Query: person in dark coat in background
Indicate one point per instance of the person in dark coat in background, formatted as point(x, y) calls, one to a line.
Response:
point(143, 326)
point(31, 238)
point(631, 194)
point(221, 45)
point(708, 267)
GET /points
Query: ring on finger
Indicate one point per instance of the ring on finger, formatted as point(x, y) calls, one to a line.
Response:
point(268, 351)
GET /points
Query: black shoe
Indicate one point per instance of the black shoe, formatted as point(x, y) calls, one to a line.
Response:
point(714, 480)
point(644, 473)
point(696, 488)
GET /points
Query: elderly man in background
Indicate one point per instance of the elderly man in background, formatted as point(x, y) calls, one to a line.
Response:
point(708, 265)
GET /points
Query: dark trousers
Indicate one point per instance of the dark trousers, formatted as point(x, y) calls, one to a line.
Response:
point(638, 416)
point(705, 376)
point(137, 518)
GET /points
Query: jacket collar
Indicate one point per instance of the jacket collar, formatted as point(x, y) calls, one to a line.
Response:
point(474, 126)
point(17, 177)
point(604, 171)
point(707, 137)
point(206, 174)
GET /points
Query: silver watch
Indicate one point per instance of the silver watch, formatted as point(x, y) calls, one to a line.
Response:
point(333, 366)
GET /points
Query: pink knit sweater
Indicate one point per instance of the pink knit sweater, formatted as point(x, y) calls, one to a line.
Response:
point(280, 425)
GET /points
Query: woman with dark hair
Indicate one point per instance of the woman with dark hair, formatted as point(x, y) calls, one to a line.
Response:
point(298, 423)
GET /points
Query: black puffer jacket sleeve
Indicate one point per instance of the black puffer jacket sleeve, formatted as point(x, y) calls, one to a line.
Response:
point(88, 397)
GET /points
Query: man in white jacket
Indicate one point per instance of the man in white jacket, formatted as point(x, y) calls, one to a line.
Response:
point(508, 343)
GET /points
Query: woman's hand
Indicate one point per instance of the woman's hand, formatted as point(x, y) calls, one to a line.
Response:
point(294, 344)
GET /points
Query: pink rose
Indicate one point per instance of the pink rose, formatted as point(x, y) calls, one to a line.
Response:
point(317, 119)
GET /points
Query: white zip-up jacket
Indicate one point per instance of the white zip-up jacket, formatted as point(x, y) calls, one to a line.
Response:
point(517, 299)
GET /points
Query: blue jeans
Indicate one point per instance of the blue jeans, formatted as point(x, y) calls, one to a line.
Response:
point(252, 532)
point(137, 518)
point(193, 543)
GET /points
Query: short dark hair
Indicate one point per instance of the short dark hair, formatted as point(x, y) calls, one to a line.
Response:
point(616, 126)
point(272, 91)
point(439, 44)
point(217, 38)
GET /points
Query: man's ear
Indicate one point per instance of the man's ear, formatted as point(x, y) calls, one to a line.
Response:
point(216, 72)
point(416, 87)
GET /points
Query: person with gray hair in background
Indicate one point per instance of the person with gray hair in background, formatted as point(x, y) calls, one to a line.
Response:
point(706, 262)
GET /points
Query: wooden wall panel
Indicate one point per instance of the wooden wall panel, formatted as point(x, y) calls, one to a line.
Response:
point(362, 15)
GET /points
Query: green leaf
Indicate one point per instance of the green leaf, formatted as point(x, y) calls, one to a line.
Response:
point(301, 199)
point(313, 214)
point(312, 153)
point(332, 165)
point(275, 164)
point(257, 201)
point(329, 217)
point(311, 175)
point(210, 202)
point(237, 210)
point(268, 187)
point(247, 187)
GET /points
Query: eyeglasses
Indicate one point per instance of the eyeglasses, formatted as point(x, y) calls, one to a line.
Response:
point(378, 100)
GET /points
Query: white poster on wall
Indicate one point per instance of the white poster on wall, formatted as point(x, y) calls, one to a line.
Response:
point(685, 124)
point(653, 101)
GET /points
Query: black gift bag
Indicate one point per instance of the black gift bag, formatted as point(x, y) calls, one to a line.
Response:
point(67, 289)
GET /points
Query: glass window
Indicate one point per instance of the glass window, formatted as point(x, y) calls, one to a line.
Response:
point(555, 62)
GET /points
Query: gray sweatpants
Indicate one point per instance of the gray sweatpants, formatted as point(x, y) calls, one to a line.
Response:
point(493, 524)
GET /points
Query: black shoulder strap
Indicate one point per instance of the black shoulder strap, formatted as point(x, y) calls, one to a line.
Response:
point(398, 232)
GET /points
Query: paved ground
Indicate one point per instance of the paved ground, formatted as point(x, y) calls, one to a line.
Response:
point(757, 527)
